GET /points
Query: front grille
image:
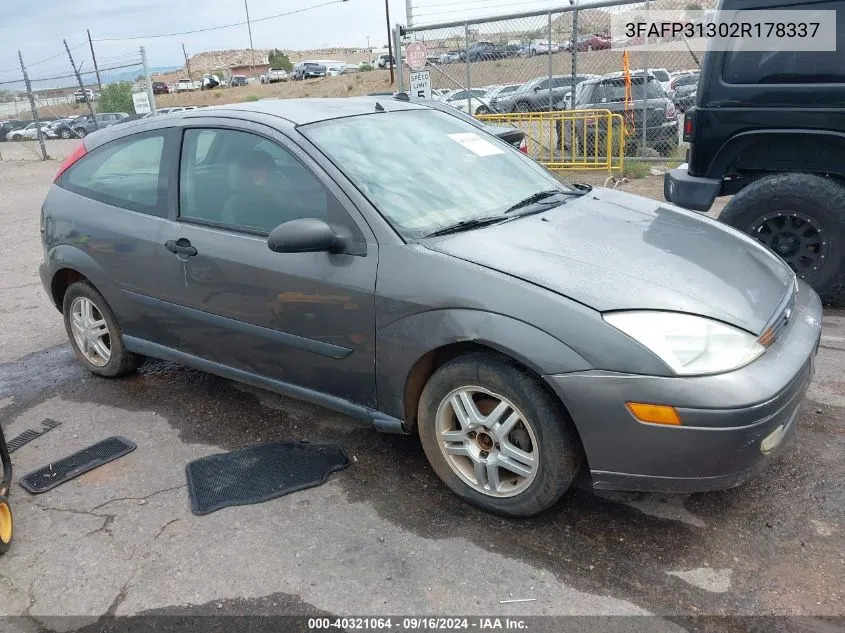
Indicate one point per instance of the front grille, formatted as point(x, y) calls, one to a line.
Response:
point(779, 323)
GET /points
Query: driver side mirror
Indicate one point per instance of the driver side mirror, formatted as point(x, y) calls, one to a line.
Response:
point(310, 235)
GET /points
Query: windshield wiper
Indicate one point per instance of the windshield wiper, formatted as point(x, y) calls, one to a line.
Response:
point(540, 196)
point(465, 225)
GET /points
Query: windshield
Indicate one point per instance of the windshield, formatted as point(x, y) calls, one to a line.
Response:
point(615, 91)
point(425, 169)
point(661, 75)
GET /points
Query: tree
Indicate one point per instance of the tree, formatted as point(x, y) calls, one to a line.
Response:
point(6, 96)
point(116, 98)
point(278, 59)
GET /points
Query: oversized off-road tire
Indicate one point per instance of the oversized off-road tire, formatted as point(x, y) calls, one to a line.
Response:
point(94, 332)
point(496, 436)
point(801, 217)
point(7, 525)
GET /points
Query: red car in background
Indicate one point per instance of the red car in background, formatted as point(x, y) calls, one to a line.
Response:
point(594, 42)
point(160, 88)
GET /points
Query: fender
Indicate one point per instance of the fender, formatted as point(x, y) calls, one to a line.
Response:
point(74, 258)
point(800, 151)
point(402, 343)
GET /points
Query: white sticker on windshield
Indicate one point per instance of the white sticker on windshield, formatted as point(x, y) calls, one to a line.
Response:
point(476, 144)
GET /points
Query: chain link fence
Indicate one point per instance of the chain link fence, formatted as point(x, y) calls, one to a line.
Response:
point(509, 67)
point(71, 97)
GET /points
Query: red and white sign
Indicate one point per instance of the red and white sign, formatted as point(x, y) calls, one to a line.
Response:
point(415, 55)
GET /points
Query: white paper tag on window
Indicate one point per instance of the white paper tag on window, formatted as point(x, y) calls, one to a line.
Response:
point(476, 144)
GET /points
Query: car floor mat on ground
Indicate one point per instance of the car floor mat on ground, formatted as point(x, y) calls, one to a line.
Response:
point(81, 462)
point(27, 436)
point(259, 473)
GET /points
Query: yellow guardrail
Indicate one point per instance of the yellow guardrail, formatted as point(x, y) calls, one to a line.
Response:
point(570, 140)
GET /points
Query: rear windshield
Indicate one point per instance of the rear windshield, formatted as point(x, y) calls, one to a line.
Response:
point(686, 80)
point(614, 91)
point(661, 75)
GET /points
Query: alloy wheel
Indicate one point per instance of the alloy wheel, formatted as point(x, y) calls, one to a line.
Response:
point(487, 441)
point(90, 331)
point(797, 238)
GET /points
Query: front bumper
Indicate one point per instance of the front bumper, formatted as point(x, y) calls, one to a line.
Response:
point(726, 417)
point(690, 192)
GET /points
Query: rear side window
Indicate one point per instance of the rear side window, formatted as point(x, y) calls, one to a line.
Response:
point(790, 67)
point(125, 173)
point(661, 75)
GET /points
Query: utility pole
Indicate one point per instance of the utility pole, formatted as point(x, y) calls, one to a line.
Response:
point(34, 109)
point(187, 64)
point(81, 86)
point(249, 28)
point(389, 40)
point(409, 12)
point(94, 58)
point(148, 81)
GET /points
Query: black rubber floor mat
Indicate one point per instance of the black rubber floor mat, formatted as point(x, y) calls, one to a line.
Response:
point(27, 436)
point(259, 473)
point(81, 462)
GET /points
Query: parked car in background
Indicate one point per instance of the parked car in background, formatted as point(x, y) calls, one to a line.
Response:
point(451, 57)
point(84, 125)
point(495, 93)
point(80, 95)
point(184, 85)
point(26, 133)
point(594, 42)
point(209, 82)
point(61, 128)
point(608, 93)
point(11, 125)
point(541, 47)
point(487, 50)
point(478, 103)
point(682, 90)
point(237, 81)
point(308, 70)
point(538, 95)
point(528, 331)
point(274, 75)
point(662, 75)
point(384, 61)
point(160, 88)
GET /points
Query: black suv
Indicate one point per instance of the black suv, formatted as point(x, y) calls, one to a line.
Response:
point(769, 129)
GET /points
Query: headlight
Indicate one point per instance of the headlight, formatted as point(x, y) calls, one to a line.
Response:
point(689, 344)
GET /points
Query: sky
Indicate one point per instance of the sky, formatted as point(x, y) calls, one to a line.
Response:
point(37, 28)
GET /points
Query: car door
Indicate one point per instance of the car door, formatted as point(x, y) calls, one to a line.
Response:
point(305, 319)
point(119, 193)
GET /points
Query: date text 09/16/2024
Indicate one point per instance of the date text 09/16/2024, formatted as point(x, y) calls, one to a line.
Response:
point(477, 623)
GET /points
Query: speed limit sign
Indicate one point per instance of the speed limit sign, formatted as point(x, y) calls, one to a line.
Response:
point(415, 55)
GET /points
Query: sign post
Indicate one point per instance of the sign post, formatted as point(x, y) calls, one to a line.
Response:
point(142, 102)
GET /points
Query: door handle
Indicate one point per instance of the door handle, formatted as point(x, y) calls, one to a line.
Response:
point(182, 246)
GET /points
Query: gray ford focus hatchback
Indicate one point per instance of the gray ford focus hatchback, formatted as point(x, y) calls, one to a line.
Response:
point(400, 265)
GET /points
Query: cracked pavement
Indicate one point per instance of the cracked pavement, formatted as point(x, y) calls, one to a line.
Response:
point(383, 536)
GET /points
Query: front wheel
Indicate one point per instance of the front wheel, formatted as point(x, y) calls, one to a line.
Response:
point(94, 333)
point(482, 110)
point(799, 217)
point(65, 134)
point(496, 437)
point(81, 132)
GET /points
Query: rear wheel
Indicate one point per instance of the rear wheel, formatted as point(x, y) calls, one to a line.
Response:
point(496, 437)
point(80, 132)
point(523, 106)
point(482, 110)
point(65, 134)
point(94, 333)
point(800, 217)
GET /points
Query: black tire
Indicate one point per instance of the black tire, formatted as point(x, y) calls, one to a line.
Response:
point(482, 110)
point(65, 133)
point(557, 444)
point(120, 361)
point(7, 526)
point(15, 137)
point(522, 106)
point(81, 132)
point(799, 199)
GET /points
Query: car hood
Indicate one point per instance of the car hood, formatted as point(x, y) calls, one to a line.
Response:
point(615, 251)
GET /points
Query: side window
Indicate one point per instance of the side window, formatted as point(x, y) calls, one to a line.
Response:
point(124, 173)
point(790, 67)
point(543, 85)
point(246, 181)
point(561, 82)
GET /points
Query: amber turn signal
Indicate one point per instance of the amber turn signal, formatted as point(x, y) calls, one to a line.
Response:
point(654, 413)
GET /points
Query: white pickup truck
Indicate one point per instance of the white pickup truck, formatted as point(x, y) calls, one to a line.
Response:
point(274, 75)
